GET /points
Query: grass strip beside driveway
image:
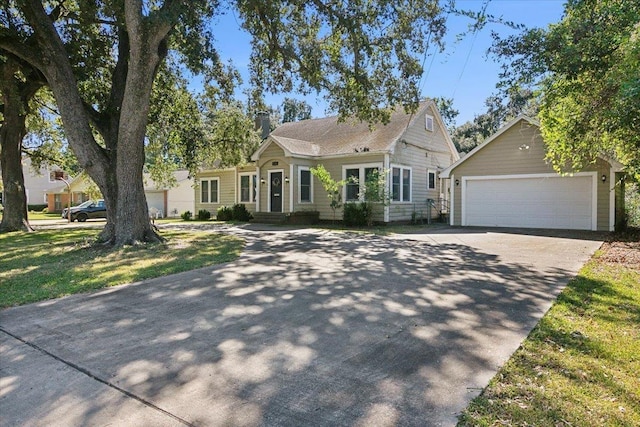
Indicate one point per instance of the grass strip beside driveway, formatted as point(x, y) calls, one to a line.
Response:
point(53, 263)
point(580, 366)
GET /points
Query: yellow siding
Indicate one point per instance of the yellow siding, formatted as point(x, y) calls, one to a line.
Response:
point(251, 207)
point(227, 190)
point(503, 156)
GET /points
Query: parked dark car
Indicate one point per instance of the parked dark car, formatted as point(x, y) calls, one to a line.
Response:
point(87, 210)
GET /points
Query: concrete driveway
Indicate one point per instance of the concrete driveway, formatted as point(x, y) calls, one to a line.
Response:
point(307, 328)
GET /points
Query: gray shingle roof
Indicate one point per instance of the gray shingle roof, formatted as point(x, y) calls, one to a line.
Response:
point(327, 137)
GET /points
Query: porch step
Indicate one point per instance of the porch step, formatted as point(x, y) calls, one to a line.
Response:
point(269, 217)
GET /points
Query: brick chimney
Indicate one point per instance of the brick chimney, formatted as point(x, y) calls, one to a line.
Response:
point(263, 122)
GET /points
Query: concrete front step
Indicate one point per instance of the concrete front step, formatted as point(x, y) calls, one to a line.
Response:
point(269, 217)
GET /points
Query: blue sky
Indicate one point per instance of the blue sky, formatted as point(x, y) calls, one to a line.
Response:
point(462, 72)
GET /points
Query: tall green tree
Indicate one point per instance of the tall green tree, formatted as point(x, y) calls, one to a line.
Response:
point(364, 55)
point(447, 112)
point(294, 110)
point(587, 67)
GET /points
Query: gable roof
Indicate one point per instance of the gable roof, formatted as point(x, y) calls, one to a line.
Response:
point(617, 166)
point(447, 172)
point(327, 137)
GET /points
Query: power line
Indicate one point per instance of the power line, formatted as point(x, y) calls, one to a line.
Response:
point(475, 35)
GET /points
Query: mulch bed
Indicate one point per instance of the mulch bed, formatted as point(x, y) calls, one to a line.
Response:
point(623, 248)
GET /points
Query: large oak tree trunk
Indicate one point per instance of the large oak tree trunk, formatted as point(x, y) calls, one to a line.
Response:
point(15, 96)
point(117, 167)
point(14, 216)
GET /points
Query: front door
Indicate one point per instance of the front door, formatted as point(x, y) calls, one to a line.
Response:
point(276, 191)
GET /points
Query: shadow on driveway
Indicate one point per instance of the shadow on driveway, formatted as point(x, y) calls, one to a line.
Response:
point(306, 328)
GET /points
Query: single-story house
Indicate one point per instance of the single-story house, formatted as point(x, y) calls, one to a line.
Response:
point(162, 201)
point(506, 182)
point(412, 148)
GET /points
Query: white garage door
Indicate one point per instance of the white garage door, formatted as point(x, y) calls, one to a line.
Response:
point(155, 200)
point(531, 202)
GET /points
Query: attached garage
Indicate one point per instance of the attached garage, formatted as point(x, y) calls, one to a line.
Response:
point(506, 182)
point(530, 201)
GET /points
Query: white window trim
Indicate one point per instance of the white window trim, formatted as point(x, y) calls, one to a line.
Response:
point(252, 188)
point(217, 192)
point(435, 179)
point(300, 169)
point(401, 167)
point(429, 118)
point(361, 167)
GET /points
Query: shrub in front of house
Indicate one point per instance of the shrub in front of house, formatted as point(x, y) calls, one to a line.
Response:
point(203, 215)
point(224, 213)
point(36, 208)
point(240, 213)
point(186, 216)
point(356, 214)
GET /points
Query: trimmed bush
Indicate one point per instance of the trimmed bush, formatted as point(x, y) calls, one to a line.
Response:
point(203, 215)
point(36, 208)
point(186, 216)
point(356, 214)
point(224, 213)
point(240, 213)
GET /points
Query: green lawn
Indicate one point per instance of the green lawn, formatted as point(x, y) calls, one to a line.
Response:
point(53, 263)
point(40, 215)
point(581, 365)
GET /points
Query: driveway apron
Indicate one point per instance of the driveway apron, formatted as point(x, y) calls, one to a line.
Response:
point(307, 327)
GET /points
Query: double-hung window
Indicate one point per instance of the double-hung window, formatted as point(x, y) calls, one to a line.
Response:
point(428, 123)
point(305, 186)
point(209, 190)
point(400, 184)
point(352, 176)
point(357, 177)
point(431, 179)
point(248, 187)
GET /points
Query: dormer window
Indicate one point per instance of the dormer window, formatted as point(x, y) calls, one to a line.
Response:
point(428, 123)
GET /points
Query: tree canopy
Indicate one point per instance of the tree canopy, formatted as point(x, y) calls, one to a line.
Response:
point(588, 68)
point(101, 59)
point(500, 109)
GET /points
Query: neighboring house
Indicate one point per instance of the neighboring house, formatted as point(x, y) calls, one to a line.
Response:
point(161, 201)
point(413, 148)
point(38, 183)
point(506, 182)
point(171, 202)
